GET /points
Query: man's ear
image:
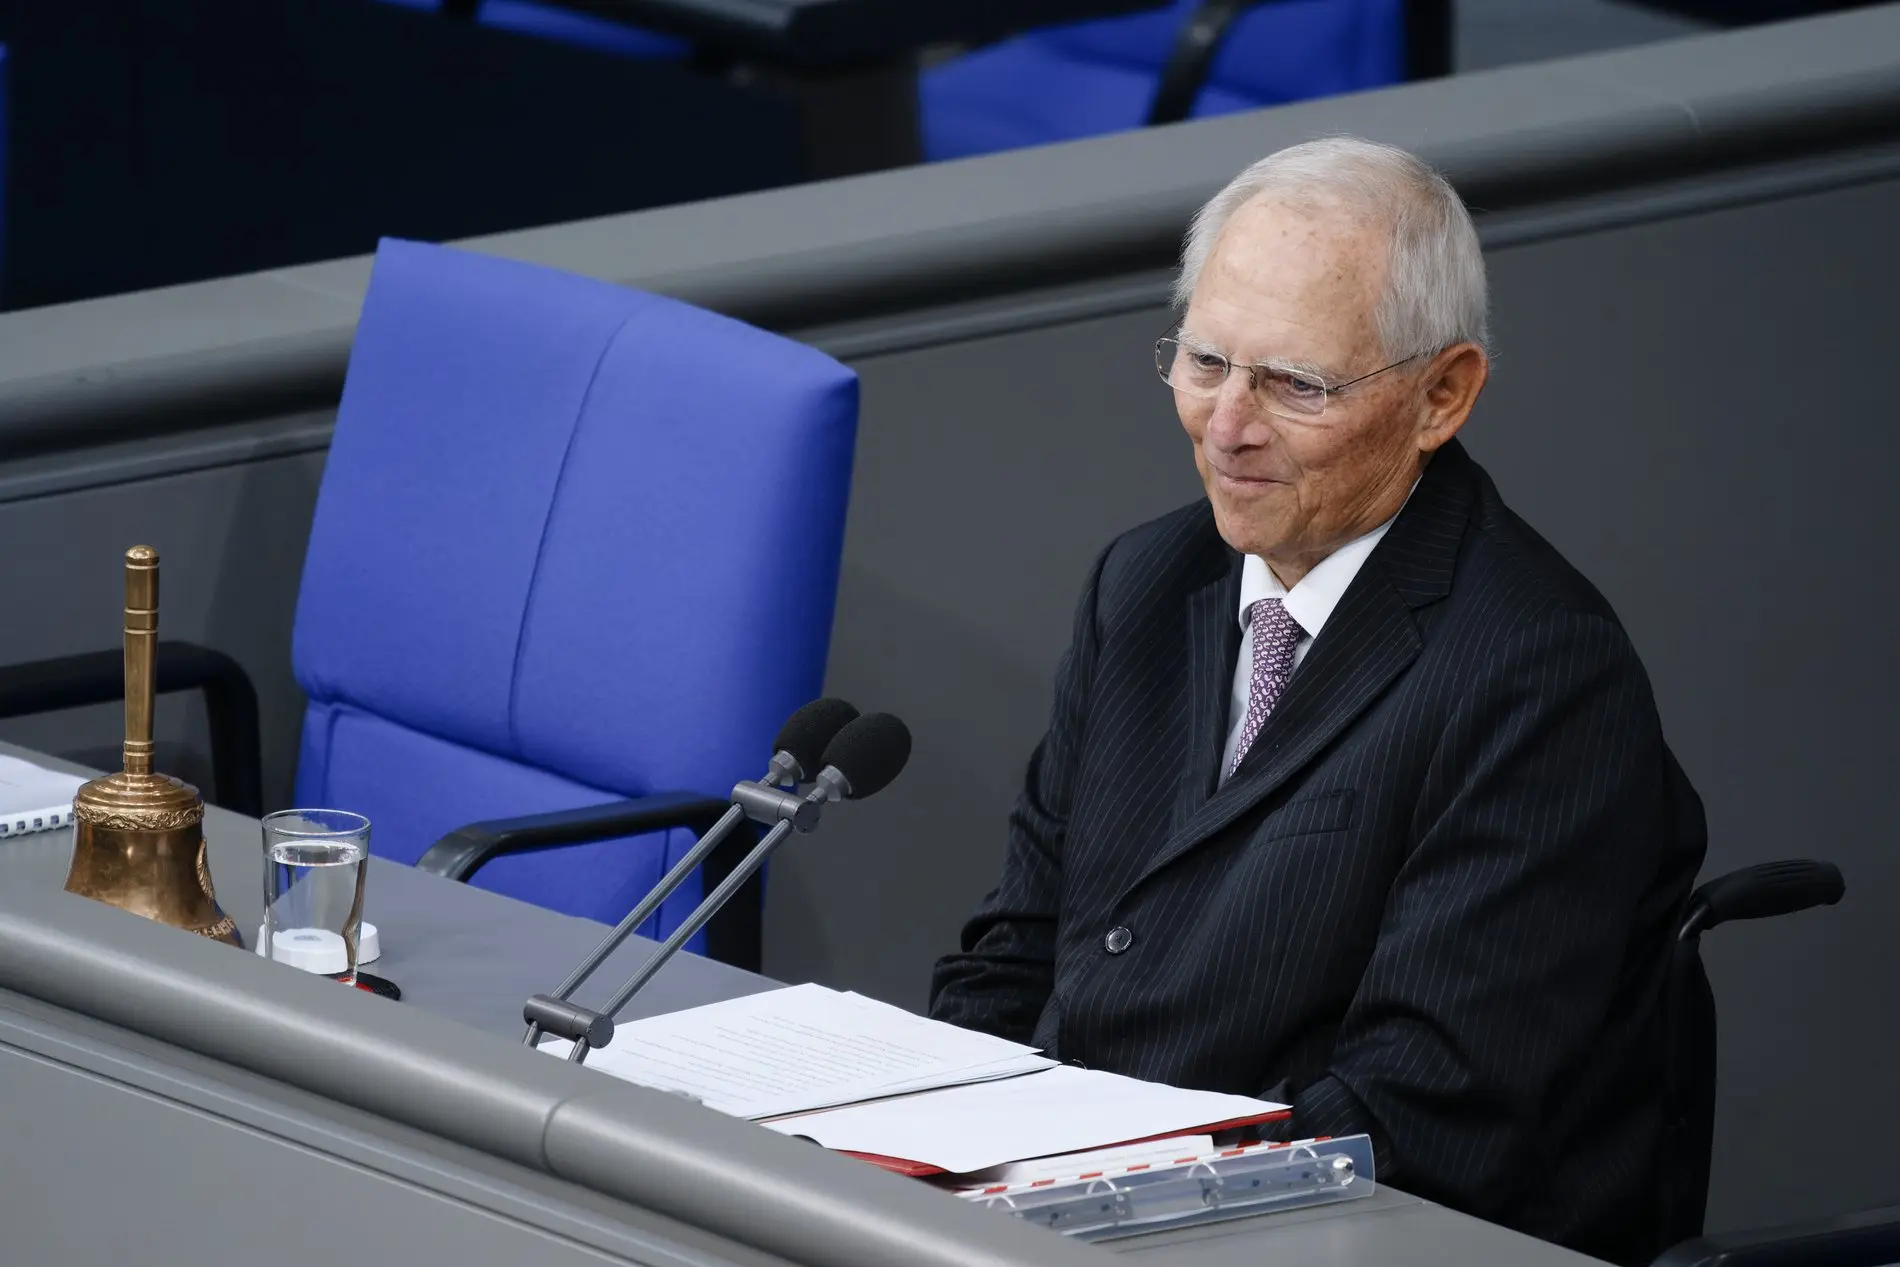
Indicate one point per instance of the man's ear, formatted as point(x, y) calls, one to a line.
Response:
point(1452, 383)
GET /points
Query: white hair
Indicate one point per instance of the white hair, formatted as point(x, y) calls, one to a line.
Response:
point(1435, 292)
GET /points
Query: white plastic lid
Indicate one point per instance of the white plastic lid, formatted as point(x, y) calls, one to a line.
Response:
point(320, 950)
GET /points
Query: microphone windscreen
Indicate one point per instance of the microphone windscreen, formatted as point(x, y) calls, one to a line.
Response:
point(870, 752)
point(807, 731)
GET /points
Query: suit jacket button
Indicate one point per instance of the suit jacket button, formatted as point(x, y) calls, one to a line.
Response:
point(1118, 940)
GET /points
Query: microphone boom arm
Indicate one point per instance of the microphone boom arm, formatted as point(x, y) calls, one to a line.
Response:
point(693, 923)
point(624, 929)
point(860, 757)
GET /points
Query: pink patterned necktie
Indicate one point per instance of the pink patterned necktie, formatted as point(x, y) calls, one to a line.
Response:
point(1275, 636)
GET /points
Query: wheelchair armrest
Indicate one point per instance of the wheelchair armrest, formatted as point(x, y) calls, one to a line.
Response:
point(98, 677)
point(466, 850)
point(1868, 1239)
point(1761, 892)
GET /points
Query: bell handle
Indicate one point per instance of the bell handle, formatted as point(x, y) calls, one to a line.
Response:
point(141, 652)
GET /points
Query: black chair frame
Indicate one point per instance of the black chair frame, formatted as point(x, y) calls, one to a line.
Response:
point(1758, 892)
point(1868, 1239)
point(98, 677)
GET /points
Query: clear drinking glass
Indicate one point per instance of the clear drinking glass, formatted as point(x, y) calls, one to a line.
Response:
point(315, 862)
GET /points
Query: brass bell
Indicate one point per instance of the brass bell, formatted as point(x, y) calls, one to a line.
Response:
point(138, 837)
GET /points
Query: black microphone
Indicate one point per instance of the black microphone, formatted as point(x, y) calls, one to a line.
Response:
point(864, 757)
point(800, 747)
point(860, 760)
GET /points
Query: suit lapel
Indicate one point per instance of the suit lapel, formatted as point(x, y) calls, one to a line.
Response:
point(1370, 639)
point(1213, 640)
point(1341, 675)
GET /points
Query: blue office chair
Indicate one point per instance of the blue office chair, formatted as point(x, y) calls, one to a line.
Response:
point(1193, 58)
point(574, 544)
point(564, 26)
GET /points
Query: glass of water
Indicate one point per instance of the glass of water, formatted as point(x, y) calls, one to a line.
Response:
point(315, 861)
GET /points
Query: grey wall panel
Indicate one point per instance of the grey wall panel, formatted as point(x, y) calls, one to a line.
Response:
point(989, 474)
point(1696, 412)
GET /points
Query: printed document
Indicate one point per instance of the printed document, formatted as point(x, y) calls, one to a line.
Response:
point(1061, 1109)
point(803, 1047)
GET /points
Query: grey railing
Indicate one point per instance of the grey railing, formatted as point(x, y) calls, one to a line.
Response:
point(652, 1150)
point(275, 343)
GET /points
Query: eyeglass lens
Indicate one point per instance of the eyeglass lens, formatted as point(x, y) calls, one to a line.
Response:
point(1200, 372)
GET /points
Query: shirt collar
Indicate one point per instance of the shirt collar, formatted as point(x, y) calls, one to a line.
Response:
point(1311, 601)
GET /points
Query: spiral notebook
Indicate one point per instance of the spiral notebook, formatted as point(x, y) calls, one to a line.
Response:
point(33, 798)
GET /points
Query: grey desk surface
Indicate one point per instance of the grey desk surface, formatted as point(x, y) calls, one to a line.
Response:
point(473, 957)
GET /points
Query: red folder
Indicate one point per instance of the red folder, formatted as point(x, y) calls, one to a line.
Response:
point(923, 1170)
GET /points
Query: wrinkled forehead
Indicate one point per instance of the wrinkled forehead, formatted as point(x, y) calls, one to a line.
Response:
point(1297, 281)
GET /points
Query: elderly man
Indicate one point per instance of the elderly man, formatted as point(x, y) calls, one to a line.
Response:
point(1354, 795)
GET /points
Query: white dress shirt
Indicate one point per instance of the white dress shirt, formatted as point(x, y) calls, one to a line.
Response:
point(1310, 603)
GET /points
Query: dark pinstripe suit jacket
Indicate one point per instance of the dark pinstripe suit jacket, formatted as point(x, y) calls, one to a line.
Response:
point(1435, 901)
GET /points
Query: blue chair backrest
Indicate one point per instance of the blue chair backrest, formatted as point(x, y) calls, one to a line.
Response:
point(574, 543)
point(1281, 50)
point(567, 26)
point(1096, 77)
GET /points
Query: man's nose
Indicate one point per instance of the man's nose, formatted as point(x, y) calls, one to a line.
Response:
point(1237, 420)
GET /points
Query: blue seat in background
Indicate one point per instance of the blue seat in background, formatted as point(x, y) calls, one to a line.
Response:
point(574, 543)
point(1091, 78)
point(565, 26)
point(583, 29)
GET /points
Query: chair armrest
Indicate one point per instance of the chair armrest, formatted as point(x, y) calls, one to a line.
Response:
point(1749, 12)
point(98, 677)
point(1762, 892)
point(1868, 1239)
point(1430, 39)
point(466, 850)
point(1195, 47)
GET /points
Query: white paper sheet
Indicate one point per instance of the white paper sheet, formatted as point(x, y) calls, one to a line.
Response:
point(1059, 1110)
point(803, 1047)
point(33, 798)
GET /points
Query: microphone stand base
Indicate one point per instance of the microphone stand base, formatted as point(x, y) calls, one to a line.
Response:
point(581, 1026)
